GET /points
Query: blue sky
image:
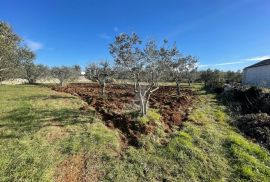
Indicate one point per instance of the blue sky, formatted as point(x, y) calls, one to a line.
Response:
point(223, 34)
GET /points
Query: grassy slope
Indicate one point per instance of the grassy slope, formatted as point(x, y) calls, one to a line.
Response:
point(40, 130)
point(206, 149)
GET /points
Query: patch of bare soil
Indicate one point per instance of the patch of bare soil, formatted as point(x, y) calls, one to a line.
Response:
point(256, 126)
point(71, 169)
point(55, 133)
point(117, 107)
point(76, 169)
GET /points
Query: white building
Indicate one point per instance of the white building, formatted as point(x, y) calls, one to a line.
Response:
point(257, 74)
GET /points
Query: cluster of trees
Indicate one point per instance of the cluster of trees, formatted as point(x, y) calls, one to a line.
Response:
point(12, 53)
point(17, 61)
point(145, 63)
point(212, 78)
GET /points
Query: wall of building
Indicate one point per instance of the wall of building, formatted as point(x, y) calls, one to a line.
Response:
point(257, 76)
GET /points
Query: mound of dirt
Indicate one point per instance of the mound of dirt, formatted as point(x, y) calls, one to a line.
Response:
point(118, 108)
point(256, 126)
point(248, 100)
point(249, 104)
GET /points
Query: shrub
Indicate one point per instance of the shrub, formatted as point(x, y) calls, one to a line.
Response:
point(247, 100)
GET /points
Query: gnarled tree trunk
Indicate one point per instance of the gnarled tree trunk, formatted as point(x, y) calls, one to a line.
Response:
point(145, 95)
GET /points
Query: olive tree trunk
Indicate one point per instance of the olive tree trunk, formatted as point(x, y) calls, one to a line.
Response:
point(178, 88)
point(145, 94)
point(32, 81)
point(103, 88)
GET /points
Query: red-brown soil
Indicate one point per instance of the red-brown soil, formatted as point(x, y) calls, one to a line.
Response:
point(118, 106)
point(77, 168)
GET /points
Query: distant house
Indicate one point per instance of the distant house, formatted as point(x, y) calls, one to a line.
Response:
point(257, 74)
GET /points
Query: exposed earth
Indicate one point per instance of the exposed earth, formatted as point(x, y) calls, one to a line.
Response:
point(119, 107)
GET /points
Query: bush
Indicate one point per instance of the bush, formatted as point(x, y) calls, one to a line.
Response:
point(247, 100)
point(215, 86)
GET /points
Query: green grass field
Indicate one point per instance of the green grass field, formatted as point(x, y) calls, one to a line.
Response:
point(45, 137)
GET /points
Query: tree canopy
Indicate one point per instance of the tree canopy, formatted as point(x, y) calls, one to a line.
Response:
point(12, 53)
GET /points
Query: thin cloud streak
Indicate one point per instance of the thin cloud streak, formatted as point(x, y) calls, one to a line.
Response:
point(104, 36)
point(258, 58)
point(202, 65)
point(242, 61)
point(229, 63)
point(33, 45)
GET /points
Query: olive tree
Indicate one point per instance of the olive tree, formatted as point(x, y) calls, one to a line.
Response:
point(28, 68)
point(142, 61)
point(33, 72)
point(180, 68)
point(177, 68)
point(99, 73)
point(65, 74)
point(11, 52)
point(211, 77)
point(190, 68)
point(127, 55)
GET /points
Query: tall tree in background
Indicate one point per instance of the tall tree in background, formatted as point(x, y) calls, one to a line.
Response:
point(12, 53)
point(233, 77)
point(211, 77)
point(100, 74)
point(181, 68)
point(190, 68)
point(28, 68)
point(33, 72)
point(65, 74)
point(177, 68)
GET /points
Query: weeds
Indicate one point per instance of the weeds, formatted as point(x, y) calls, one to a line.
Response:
point(152, 115)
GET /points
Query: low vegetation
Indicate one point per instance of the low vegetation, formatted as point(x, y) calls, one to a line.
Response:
point(46, 136)
point(148, 130)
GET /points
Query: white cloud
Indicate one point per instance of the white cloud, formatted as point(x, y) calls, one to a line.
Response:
point(33, 45)
point(229, 63)
point(202, 65)
point(240, 61)
point(115, 29)
point(104, 36)
point(258, 58)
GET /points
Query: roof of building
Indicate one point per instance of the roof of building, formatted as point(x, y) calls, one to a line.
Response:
point(262, 63)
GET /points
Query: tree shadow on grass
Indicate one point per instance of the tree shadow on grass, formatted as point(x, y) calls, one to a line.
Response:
point(45, 97)
point(27, 120)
